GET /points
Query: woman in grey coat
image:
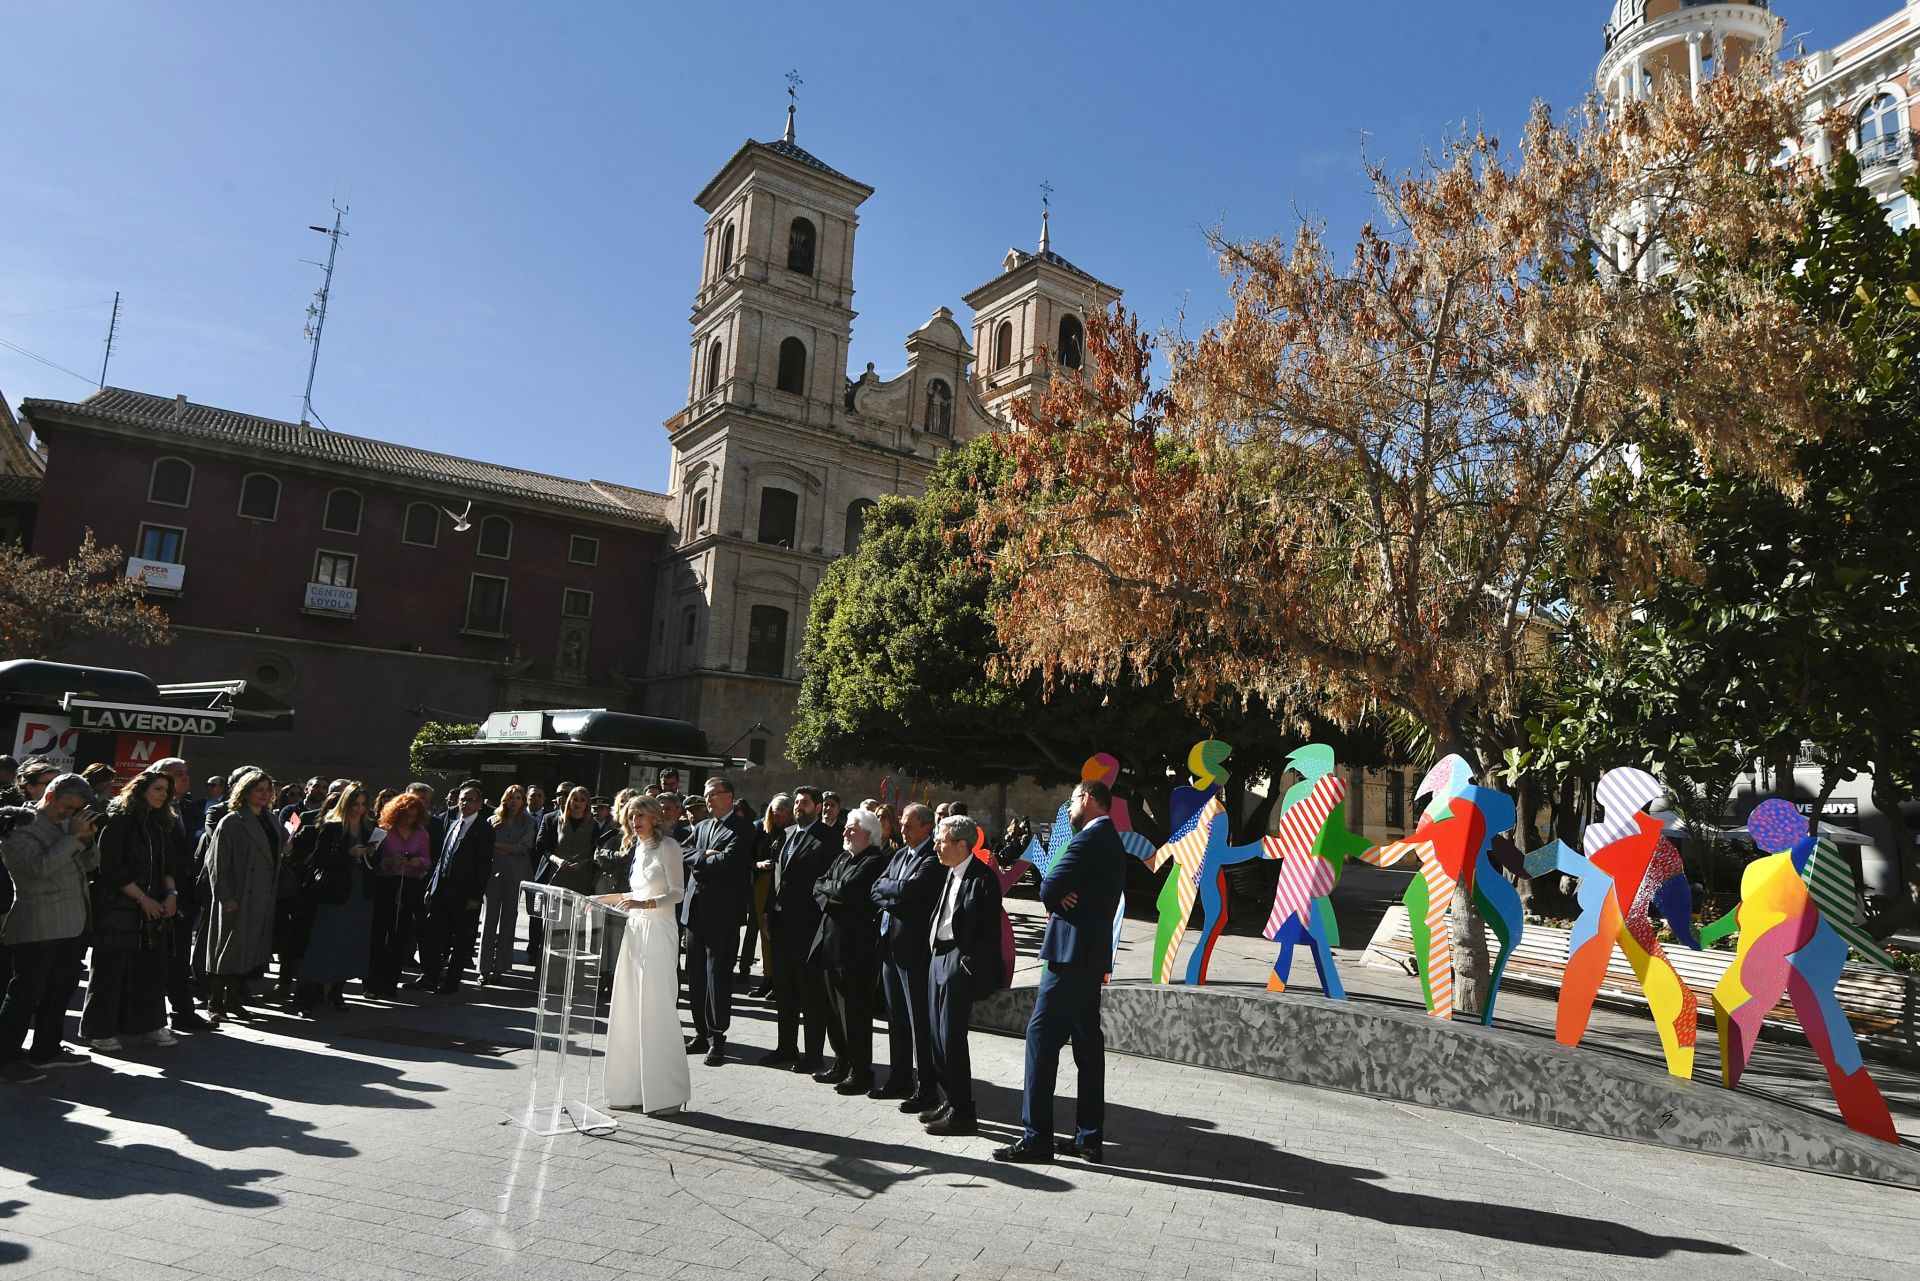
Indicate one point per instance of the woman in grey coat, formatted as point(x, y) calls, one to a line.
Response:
point(242, 865)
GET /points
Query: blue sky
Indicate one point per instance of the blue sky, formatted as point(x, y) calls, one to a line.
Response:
point(523, 244)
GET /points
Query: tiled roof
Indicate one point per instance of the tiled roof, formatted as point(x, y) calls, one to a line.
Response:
point(16, 488)
point(167, 416)
point(795, 152)
point(1056, 260)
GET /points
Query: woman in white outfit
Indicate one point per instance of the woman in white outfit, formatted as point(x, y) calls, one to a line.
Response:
point(646, 1058)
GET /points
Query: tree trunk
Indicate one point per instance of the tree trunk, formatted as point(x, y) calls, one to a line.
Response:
point(1472, 966)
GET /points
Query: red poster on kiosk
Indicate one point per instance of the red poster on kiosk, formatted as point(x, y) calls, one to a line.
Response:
point(135, 752)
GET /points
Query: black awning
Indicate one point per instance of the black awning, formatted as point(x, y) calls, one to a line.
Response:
point(34, 683)
point(251, 706)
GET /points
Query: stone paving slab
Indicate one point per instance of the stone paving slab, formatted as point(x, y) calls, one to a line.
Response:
point(324, 1150)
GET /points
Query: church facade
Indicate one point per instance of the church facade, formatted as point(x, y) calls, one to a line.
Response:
point(778, 452)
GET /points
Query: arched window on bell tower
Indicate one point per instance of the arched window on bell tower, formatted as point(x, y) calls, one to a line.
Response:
point(793, 367)
point(1003, 345)
point(726, 249)
point(800, 241)
point(1072, 350)
point(713, 368)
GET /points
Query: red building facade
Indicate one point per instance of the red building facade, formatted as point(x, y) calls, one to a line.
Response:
point(370, 585)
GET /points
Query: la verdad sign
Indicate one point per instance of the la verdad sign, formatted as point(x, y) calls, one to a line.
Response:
point(132, 718)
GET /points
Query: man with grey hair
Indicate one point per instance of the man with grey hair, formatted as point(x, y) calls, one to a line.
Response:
point(906, 894)
point(967, 964)
point(50, 860)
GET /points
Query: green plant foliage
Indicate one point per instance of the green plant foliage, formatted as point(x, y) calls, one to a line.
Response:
point(1798, 619)
point(433, 732)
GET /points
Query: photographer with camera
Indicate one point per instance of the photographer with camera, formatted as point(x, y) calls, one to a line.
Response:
point(49, 860)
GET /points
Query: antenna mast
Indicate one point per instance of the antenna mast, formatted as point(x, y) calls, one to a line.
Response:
point(113, 328)
point(317, 310)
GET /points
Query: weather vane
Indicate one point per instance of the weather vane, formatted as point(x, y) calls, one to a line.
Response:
point(1046, 194)
point(794, 82)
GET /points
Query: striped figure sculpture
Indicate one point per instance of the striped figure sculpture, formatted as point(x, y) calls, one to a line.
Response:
point(1007, 877)
point(1452, 844)
point(1312, 837)
point(1627, 870)
point(1794, 904)
point(1201, 856)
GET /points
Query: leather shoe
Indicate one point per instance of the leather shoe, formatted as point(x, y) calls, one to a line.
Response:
point(697, 1045)
point(953, 1123)
point(778, 1057)
point(188, 1022)
point(446, 986)
point(421, 983)
point(918, 1102)
point(935, 1113)
point(718, 1054)
point(831, 1076)
point(890, 1091)
point(1024, 1154)
point(1088, 1152)
point(809, 1066)
point(760, 993)
point(854, 1085)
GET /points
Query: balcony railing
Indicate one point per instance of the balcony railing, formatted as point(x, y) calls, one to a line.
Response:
point(1614, 33)
point(1894, 148)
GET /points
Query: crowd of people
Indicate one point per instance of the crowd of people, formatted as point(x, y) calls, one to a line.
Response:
point(180, 911)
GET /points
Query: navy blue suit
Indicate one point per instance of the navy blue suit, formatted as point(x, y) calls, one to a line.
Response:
point(1078, 950)
point(907, 892)
point(719, 861)
point(459, 878)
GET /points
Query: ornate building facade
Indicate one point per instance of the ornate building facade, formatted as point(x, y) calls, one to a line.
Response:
point(778, 452)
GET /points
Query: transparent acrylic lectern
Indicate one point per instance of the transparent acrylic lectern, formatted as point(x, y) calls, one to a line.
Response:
point(569, 1057)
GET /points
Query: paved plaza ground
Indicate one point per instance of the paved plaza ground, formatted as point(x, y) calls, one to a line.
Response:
point(382, 1142)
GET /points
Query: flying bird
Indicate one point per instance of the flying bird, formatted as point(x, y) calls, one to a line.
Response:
point(460, 522)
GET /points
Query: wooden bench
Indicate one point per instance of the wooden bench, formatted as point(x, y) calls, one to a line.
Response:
point(1881, 1006)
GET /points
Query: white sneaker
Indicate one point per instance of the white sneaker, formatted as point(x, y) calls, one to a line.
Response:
point(161, 1036)
point(105, 1045)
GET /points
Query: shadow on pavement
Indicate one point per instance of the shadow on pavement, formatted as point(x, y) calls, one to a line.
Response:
point(1187, 1152)
point(858, 1166)
point(70, 1158)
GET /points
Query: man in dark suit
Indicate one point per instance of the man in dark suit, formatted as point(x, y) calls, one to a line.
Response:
point(798, 988)
point(1082, 891)
point(906, 894)
point(719, 859)
point(455, 892)
point(967, 964)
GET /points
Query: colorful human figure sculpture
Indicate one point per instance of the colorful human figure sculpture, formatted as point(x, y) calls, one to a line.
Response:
point(1789, 946)
point(1312, 836)
point(1106, 769)
point(1628, 868)
point(1452, 842)
point(1201, 855)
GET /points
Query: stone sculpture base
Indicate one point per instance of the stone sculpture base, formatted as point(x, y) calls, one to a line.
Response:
point(1387, 1052)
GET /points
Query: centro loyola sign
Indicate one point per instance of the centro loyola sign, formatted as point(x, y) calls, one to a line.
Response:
point(135, 719)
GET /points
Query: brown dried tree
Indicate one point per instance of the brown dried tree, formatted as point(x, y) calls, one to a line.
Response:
point(45, 606)
point(1345, 494)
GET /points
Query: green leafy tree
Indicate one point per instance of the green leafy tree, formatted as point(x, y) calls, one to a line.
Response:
point(431, 733)
point(1797, 616)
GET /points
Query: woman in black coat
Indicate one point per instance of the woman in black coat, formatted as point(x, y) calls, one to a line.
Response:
point(133, 910)
point(847, 951)
point(339, 882)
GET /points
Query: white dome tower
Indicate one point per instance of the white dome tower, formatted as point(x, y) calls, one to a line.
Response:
point(1651, 43)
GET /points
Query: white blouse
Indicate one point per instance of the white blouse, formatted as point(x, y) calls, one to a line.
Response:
point(658, 872)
